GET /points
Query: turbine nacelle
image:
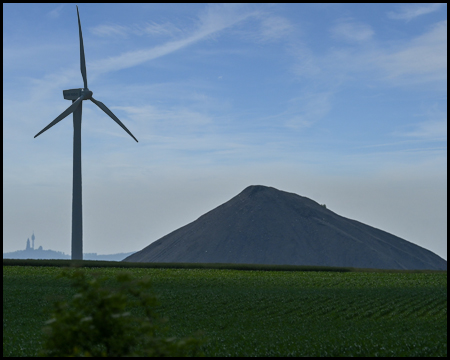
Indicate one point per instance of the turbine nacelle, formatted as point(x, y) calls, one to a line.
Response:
point(74, 94)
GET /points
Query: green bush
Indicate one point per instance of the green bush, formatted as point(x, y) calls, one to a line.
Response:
point(97, 321)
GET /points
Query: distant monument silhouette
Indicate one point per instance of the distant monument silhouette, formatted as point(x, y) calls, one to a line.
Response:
point(30, 248)
point(40, 253)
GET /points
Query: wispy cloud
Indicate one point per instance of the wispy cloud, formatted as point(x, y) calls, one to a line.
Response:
point(155, 29)
point(352, 31)
point(110, 30)
point(267, 28)
point(274, 28)
point(423, 59)
point(411, 11)
point(150, 29)
point(306, 110)
point(429, 130)
point(173, 120)
point(433, 127)
point(215, 19)
point(55, 13)
point(306, 62)
point(418, 61)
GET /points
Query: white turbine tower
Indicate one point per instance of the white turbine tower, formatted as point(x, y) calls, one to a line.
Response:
point(77, 96)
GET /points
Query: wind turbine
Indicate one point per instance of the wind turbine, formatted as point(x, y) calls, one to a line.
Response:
point(77, 96)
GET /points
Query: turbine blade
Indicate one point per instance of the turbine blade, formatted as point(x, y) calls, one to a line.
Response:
point(112, 116)
point(82, 59)
point(68, 111)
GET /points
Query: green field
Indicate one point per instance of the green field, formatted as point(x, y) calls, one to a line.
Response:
point(260, 313)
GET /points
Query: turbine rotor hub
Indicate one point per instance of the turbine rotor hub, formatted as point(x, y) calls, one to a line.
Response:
point(87, 93)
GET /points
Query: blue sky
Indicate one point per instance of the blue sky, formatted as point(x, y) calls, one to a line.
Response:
point(345, 104)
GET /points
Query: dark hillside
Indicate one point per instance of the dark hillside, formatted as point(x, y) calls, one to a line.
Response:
point(263, 225)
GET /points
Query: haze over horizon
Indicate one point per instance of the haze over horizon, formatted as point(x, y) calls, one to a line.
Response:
point(345, 104)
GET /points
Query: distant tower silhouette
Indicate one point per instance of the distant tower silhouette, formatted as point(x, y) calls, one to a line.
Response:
point(32, 239)
point(28, 244)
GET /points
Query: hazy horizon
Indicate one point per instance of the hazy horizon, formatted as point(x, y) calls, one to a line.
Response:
point(345, 104)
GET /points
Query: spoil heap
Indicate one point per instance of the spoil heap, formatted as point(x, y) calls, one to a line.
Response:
point(263, 225)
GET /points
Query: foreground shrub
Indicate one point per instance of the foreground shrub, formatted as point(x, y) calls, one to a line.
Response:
point(97, 321)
